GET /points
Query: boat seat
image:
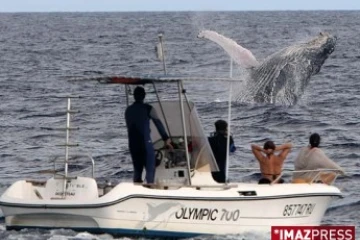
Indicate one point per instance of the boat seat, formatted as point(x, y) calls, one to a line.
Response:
point(77, 188)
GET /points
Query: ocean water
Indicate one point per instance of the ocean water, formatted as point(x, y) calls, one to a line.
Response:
point(38, 51)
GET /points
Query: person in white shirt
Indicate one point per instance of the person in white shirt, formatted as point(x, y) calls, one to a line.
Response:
point(313, 158)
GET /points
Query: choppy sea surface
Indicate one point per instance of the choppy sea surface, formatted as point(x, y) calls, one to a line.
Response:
point(39, 50)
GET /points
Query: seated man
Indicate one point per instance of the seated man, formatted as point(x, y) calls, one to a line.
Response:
point(270, 163)
point(313, 158)
point(218, 142)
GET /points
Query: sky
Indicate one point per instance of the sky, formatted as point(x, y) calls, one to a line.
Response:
point(173, 5)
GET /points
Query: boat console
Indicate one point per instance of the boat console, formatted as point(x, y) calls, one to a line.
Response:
point(171, 164)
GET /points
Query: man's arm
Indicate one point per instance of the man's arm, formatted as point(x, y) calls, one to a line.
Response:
point(257, 151)
point(285, 149)
point(160, 127)
point(327, 163)
point(158, 124)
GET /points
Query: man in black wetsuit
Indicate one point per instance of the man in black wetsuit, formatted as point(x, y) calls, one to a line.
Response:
point(137, 118)
point(218, 143)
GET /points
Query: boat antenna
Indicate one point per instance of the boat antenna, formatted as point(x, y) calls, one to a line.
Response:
point(229, 124)
point(161, 56)
point(160, 51)
point(69, 111)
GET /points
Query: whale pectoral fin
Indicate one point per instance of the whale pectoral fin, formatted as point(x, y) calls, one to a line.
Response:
point(239, 54)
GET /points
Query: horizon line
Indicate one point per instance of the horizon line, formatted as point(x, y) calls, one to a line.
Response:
point(164, 11)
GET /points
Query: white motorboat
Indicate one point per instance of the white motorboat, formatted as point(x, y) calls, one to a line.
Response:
point(184, 201)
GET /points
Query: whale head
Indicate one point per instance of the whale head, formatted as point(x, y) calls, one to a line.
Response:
point(284, 75)
point(319, 49)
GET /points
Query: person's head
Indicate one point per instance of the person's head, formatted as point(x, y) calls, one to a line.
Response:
point(221, 126)
point(314, 140)
point(139, 94)
point(269, 145)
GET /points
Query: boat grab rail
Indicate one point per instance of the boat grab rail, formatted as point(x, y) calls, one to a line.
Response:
point(197, 187)
point(288, 170)
point(316, 177)
point(76, 155)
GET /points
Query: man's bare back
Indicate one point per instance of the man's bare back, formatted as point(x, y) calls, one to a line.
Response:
point(271, 163)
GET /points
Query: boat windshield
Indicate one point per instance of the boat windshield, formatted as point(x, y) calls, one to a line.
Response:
point(200, 154)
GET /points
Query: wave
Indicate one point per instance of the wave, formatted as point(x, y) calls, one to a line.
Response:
point(344, 207)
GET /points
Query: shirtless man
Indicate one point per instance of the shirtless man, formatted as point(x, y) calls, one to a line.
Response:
point(270, 163)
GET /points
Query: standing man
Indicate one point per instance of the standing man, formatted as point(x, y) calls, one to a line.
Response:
point(271, 163)
point(137, 118)
point(218, 143)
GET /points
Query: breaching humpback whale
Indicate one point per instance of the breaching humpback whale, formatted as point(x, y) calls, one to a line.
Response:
point(283, 75)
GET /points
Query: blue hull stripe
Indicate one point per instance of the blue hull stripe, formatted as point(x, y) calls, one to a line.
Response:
point(122, 232)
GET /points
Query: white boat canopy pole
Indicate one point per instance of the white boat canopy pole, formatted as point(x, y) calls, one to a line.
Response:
point(181, 91)
point(162, 110)
point(229, 124)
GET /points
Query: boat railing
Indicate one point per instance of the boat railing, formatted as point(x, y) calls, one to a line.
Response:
point(313, 179)
point(197, 187)
point(66, 176)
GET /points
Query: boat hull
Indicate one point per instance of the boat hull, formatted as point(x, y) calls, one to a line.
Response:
point(185, 212)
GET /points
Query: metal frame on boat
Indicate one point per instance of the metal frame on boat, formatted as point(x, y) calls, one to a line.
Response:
point(184, 201)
